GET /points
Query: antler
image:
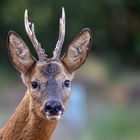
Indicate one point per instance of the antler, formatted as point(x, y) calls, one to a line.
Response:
point(59, 44)
point(31, 33)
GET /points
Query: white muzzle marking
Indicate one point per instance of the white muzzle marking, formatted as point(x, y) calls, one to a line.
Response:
point(54, 117)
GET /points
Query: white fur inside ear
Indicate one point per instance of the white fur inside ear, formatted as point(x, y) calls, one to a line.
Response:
point(19, 53)
point(78, 50)
point(21, 50)
point(24, 56)
point(73, 52)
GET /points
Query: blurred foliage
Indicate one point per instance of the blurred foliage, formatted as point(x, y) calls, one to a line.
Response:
point(115, 26)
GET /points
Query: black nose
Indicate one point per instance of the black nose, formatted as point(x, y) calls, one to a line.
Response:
point(53, 107)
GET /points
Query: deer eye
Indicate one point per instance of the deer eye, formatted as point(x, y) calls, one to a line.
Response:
point(67, 83)
point(34, 85)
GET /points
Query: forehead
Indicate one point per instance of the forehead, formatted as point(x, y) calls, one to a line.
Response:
point(48, 69)
point(51, 69)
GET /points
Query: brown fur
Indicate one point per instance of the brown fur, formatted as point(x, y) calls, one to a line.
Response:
point(26, 125)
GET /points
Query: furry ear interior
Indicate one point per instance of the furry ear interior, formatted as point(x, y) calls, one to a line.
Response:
point(19, 53)
point(78, 50)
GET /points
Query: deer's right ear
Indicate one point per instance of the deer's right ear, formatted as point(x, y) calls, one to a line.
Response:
point(19, 53)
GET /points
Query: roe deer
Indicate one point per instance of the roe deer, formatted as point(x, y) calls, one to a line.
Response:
point(48, 82)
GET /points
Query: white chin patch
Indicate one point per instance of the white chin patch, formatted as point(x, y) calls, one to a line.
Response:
point(53, 117)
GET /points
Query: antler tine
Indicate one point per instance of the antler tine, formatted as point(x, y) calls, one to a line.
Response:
point(59, 44)
point(31, 33)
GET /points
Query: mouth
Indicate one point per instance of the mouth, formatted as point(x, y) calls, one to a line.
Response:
point(57, 116)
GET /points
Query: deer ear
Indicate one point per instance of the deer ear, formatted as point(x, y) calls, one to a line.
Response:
point(78, 50)
point(19, 53)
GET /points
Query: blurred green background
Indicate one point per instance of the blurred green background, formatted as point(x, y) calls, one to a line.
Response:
point(111, 75)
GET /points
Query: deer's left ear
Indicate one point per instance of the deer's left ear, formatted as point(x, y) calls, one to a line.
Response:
point(78, 50)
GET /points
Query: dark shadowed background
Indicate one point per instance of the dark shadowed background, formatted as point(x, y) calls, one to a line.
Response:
point(105, 103)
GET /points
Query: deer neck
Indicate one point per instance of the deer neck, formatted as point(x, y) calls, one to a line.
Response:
point(26, 125)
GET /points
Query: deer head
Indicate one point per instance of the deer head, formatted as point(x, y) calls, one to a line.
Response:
point(48, 80)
